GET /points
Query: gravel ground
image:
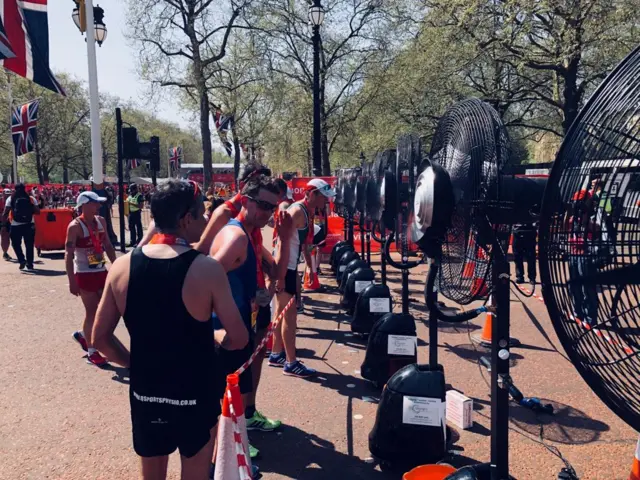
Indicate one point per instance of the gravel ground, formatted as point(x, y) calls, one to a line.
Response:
point(61, 418)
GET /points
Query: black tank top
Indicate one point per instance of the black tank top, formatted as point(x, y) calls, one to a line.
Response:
point(172, 354)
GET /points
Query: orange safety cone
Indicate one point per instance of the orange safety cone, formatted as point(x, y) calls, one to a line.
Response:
point(469, 268)
point(635, 466)
point(484, 338)
point(232, 460)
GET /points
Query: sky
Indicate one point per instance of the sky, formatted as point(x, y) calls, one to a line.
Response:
point(116, 58)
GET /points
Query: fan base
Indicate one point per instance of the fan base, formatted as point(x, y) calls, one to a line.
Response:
point(479, 339)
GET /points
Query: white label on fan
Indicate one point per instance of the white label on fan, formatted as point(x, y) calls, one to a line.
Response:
point(422, 411)
point(401, 345)
point(362, 284)
point(342, 268)
point(379, 305)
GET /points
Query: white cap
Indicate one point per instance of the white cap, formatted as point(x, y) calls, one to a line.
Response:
point(289, 193)
point(321, 186)
point(7, 191)
point(87, 197)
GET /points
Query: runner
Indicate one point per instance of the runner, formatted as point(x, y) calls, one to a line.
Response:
point(240, 256)
point(5, 226)
point(316, 195)
point(22, 207)
point(86, 244)
point(175, 401)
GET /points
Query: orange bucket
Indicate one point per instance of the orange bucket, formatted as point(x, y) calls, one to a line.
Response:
point(429, 472)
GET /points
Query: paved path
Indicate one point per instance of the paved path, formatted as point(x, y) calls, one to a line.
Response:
point(61, 418)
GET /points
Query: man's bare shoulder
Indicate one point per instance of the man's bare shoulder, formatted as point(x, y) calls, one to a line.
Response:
point(206, 267)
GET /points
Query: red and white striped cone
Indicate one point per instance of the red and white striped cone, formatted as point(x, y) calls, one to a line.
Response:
point(232, 460)
point(635, 466)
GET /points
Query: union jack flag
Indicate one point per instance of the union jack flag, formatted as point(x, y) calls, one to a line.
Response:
point(24, 122)
point(27, 29)
point(223, 125)
point(175, 157)
point(5, 47)
point(134, 163)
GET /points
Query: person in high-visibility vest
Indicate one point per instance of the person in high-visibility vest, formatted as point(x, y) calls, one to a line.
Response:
point(135, 202)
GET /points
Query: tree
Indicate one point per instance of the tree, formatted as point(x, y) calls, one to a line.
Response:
point(162, 28)
point(555, 51)
point(356, 36)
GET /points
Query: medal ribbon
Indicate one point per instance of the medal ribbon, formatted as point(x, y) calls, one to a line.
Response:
point(94, 235)
point(166, 239)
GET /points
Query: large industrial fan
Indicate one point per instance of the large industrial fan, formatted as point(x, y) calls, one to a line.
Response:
point(463, 210)
point(590, 242)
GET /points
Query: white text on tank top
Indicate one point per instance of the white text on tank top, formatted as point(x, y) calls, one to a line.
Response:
point(86, 260)
point(294, 243)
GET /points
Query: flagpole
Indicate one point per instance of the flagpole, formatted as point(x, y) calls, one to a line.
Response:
point(94, 99)
point(13, 145)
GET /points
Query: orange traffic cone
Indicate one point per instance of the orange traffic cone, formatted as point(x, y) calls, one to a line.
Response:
point(232, 460)
point(469, 268)
point(484, 338)
point(635, 466)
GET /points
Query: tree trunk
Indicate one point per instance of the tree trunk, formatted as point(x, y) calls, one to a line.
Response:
point(65, 171)
point(571, 94)
point(309, 162)
point(39, 163)
point(45, 175)
point(236, 152)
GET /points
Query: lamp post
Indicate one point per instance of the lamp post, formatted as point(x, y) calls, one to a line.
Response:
point(316, 17)
point(90, 19)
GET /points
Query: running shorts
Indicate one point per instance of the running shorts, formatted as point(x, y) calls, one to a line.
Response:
point(91, 281)
point(264, 318)
point(156, 434)
point(228, 361)
point(291, 282)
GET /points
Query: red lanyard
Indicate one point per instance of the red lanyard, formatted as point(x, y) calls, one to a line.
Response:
point(166, 239)
point(256, 243)
point(94, 235)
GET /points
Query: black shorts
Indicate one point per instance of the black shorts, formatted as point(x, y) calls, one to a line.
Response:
point(291, 282)
point(264, 318)
point(228, 361)
point(156, 433)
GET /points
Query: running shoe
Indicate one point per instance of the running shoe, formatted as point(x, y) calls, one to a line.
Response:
point(22, 265)
point(277, 359)
point(96, 359)
point(6, 256)
point(79, 337)
point(262, 423)
point(253, 451)
point(298, 369)
point(30, 266)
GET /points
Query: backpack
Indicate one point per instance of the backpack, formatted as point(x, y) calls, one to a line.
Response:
point(22, 210)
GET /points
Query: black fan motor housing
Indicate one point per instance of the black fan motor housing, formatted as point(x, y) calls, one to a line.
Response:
point(335, 249)
point(361, 277)
point(410, 426)
point(351, 267)
point(341, 250)
point(363, 318)
point(345, 260)
point(379, 365)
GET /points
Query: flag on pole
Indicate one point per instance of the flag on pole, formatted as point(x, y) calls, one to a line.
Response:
point(134, 163)
point(27, 29)
point(223, 126)
point(175, 158)
point(5, 47)
point(24, 121)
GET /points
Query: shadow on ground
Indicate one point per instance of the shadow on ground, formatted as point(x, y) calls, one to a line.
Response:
point(314, 457)
point(472, 353)
point(567, 425)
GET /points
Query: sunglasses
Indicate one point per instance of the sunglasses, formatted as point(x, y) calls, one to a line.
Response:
point(263, 205)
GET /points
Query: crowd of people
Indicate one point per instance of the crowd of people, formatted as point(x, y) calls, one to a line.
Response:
point(201, 288)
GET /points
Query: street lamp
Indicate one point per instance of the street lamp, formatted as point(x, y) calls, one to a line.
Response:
point(316, 17)
point(100, 27)
point(90, 19)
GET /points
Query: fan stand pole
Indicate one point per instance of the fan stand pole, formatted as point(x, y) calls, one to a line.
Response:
point(383, 257)
point(368, 245)
point(362, 239)
point(500, 368)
